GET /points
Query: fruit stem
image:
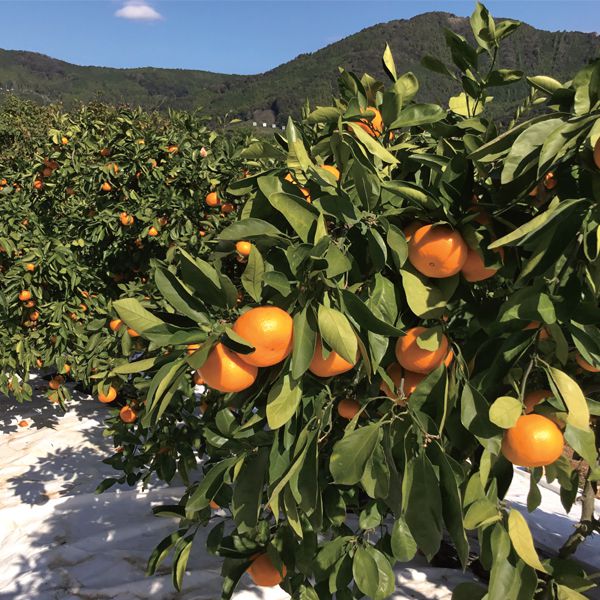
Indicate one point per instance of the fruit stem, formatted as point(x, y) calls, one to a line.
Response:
point(525, 378)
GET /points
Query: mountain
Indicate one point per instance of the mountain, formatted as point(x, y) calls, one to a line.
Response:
point(273, 95)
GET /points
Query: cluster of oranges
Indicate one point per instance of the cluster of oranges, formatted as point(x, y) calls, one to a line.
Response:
point(127, 414)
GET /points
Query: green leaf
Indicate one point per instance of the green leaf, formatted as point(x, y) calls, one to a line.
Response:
point(435, 64)
point(179, 297)
point(570, 392)
point(338, 333)
point(254, 274)
point(522, 540)
point(482, 25)
point(180, 559)
point(373, 573)
point(468, 591)
point(388, 63)
point(505, 411)
point(248, 490)
point(403, 543)
point(481, 511)
point(210, 484)
point(425, 298)
point(248, 229)
point(372, 145)
point(350, 455)
point(143, 321)
point(305, 338)
point(398, 246)
point(298, 213)
point(283, 401)
point(418, 114)
point(363, 315)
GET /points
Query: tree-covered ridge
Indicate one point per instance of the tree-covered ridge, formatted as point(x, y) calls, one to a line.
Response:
point(278, 93)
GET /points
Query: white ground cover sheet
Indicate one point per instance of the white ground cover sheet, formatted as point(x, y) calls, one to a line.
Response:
point(60, 540)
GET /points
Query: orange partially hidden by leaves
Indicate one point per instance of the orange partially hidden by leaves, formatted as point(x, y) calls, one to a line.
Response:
point(109, 396)
point(227, 208)
point(543, 333)
point(67, 369)
point(243, 248)
point(172, 148)
point(198, 378)
point(38, 184)
point(348, 408)
point(585, 365)
point(532, 399)
point(303, 190)
point(132, 333)
point(474, 268)
point(126, 219)
point(333, 170)
point(34, 316)
point(409, 230)
point(374, 126)
point(212, 199)
point(127, 414)
point(411, 381)
point(115, 324)
point(333, 365)
point(152, 232)
point(106, 187)
point(419, 360)
point(56, 382)
point(24, 295)
point(64, 140)
point(214, 505)
point(270, 330)
point(191, 348)
point(550, 181)
point(225, 371)
point(535, 441)
point(437, 251)
point(263, 572)
point(105, 152)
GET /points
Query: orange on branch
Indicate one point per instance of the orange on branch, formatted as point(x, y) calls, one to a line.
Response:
point(109, 396)
point(348, 408)
point(127, 414)
point(225, 371)
point(212, 199)
point(437, 251)
point(270, 330)
point(417, 359)
point(264, 573)
point(333, 365)
point(243, 248)
point(585, 365)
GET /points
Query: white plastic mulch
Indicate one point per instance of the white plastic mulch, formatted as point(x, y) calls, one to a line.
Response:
point(60, 540)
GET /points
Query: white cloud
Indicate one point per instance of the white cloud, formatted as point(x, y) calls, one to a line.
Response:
point(138, 10)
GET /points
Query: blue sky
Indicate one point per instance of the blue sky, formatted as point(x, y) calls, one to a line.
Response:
point(230, 36)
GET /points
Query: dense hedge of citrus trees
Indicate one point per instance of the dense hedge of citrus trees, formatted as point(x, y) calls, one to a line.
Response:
point(397, 305)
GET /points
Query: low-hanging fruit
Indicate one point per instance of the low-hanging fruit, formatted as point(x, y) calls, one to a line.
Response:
point(348, 408)
point(333, 365)
point(126, 219)
point(404, 388)
point(437, 251)
point(374, 125)
point(212, 199)
point(115, 324)
point(127, 414)
point(420, 360)
point(534, 441)
point(243, 248)
point(109, 396)
point(225, 371)
point(24, 295)
point(264, 573)
point(270, 330)
point(585, 365)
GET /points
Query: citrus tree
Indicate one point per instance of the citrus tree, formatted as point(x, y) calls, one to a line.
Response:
point(404, 308)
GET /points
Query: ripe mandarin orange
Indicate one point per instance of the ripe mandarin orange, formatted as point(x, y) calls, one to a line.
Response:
point(24, 295)
point(152, 232)
point(132, 332)
point(264, 573)
point(212, 199)
point(225, 371)
point(198, 378)
point(373, 126)
point(115, 324)
point(543, 333)
point(419, 360)
point(437, 251)
point(109, 396)
point(333, 170)
point(127, 414)
point(411, 381)
point(585, 365)
point(303, 190)
point(535, 441)
point(126, 219)
point(474, 268)
point(56, 382)
point(270, 330)
point(333, 365)
point(243, 248)
point(348, 408)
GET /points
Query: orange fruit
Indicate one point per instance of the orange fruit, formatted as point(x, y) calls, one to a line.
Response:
point(409, 230)
point(212, 199)
point(47, 172)
point(132, 333)
point(535, 441)
point(39, 363)
point(419, 360)
point(34, 316)
point(334, 364)
point(38, 184)
point(23, 423)
point(214, 505)
point(114, 167)
point(30, 304)
point(585, 365)
point(115, 324)
point(56, 382)
point(437, 251)
point(3, 182)
point(67, 369)
point(110, 395)
point(411, 381)
point(202, 232)
point(198, 378)
point(152, 232)
point(270, 330)
point(543, 334)
point(263, 572)
point(126, 219)
point(225, 371)
point(191, 348)
point(105, 152)
point(597, 153)
point(24, 295)
point(30, 267)
point(303, 190)
point(348, 408)
point(550, 181)
point(373, 126)
point(127, 414)
point(474, 268)
point(333, 170)
point(532, 399)
point(243, 248)
point(64, 140)
point(106, 187)
point(227, 208)
point(172, 148)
